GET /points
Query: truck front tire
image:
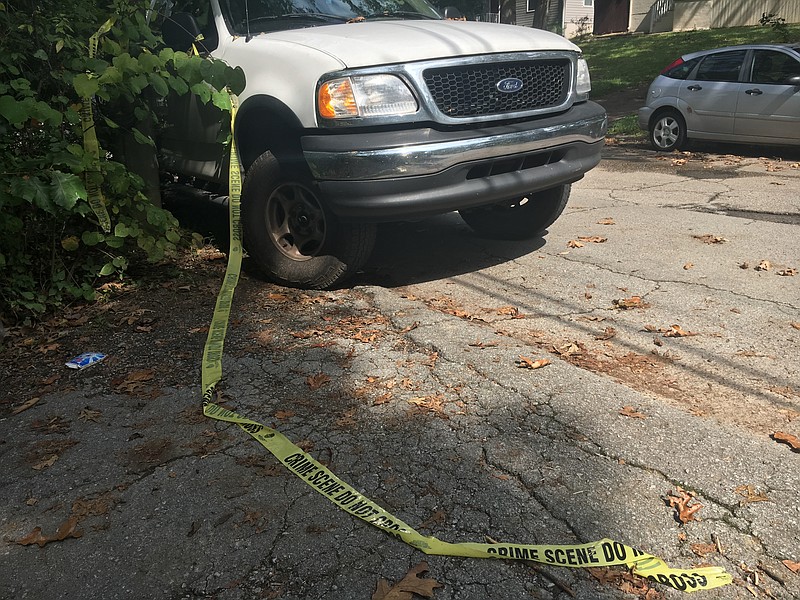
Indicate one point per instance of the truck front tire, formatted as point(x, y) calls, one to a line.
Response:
point(519, 218)
point(291, 235)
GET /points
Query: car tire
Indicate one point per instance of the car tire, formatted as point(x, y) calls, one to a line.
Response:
point(519, 218)
point(668, 131)
point(292, 236)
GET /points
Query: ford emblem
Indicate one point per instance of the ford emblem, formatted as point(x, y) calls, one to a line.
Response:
point(509, 85)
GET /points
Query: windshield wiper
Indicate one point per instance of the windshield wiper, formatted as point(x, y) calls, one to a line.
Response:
point(299, 15)
point(399, 14)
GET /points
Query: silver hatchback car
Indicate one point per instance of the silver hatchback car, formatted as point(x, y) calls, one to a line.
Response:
point(747, 94)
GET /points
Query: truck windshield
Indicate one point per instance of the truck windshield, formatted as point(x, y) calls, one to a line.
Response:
point(258, 16)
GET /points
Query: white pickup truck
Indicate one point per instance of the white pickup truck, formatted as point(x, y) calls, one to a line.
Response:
point(362, 111)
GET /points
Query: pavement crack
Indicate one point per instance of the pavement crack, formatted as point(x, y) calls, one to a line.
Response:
point(790, 308)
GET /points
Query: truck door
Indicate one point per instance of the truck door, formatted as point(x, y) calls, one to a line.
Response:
point(189, 142)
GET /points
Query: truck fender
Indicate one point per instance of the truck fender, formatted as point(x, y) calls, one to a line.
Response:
point(265, 123)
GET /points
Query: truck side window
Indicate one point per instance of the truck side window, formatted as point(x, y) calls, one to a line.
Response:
point(201, 11)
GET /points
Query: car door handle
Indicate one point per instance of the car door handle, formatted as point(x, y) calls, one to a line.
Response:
point(694, 88)
point(753, 92)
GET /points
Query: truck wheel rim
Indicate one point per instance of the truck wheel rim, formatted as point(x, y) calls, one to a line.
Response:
point(295, 221)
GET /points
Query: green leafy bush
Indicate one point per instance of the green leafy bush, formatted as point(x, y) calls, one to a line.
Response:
point(52, 247)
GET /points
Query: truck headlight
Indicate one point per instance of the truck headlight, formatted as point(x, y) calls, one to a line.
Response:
point(365, 96)
point(584, 82)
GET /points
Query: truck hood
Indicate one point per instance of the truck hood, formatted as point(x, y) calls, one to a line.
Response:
point(389, 42)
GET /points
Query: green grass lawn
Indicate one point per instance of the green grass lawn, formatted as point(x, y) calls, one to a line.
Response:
point(627, 61)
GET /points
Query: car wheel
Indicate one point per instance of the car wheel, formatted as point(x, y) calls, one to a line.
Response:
point(291, 235)
point(519, 218)
point(668, 131)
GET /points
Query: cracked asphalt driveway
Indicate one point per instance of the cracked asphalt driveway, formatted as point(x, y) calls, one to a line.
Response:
point(665, 301)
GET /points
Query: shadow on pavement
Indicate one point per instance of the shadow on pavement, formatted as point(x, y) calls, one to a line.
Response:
point(435, 248)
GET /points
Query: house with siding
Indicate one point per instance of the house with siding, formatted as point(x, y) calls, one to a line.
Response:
point(600, 17)
point(567, 17)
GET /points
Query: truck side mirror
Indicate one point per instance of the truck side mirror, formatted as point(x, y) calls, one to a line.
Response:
point(180, 31)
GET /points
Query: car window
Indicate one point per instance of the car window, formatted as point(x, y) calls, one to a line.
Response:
point(682, 70)
point(721, 66)
point(770, 66)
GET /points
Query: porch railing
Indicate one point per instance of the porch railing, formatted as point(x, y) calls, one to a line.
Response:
point(659, 9)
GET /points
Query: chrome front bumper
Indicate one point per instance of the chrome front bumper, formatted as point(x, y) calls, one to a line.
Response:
point(401, 175)
point(411, 153)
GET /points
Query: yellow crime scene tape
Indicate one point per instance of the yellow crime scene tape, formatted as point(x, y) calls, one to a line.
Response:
point(601, 553)
point(94, 177)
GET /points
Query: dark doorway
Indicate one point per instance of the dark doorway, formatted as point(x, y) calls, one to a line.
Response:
point(611, 16)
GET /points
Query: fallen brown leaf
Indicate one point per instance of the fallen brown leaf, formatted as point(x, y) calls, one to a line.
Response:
point(794, 567)
point(570, 349)
point(786, 438)
point(606, 221)
point(710, 238)
point(507, 310)
point(629, 411)
point(764, 265)
point(750, 494)
point(382, 399)
point(608, 333)
point(25, 406)
point(51, 424)
point(67, 529)
point(688, 266)
point(309, 333)
point(411, 327)
point(528, 363)
point(284, 414)
point(278, 297)
point(681, 501)
point(795, 325)
point(314, 382)
point(405, 589)
point(628, 303)
point(436, 518)
point(575, 244)
point(48, 462)
point(483, 344)
point(702, 550)
point(134, 381)
point(51, 380)
point(790, 272)
point(433, 403)
point(87, 414)
point(677, 331)
point(593, 239)
point(626, 582)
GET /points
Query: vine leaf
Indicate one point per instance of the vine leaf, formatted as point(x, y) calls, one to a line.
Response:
point(66, 188)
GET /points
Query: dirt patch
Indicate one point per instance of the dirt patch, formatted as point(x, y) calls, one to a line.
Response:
point(152, 331)
point(624, 102)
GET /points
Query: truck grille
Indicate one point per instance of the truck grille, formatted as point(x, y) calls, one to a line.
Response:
point(471, 90)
